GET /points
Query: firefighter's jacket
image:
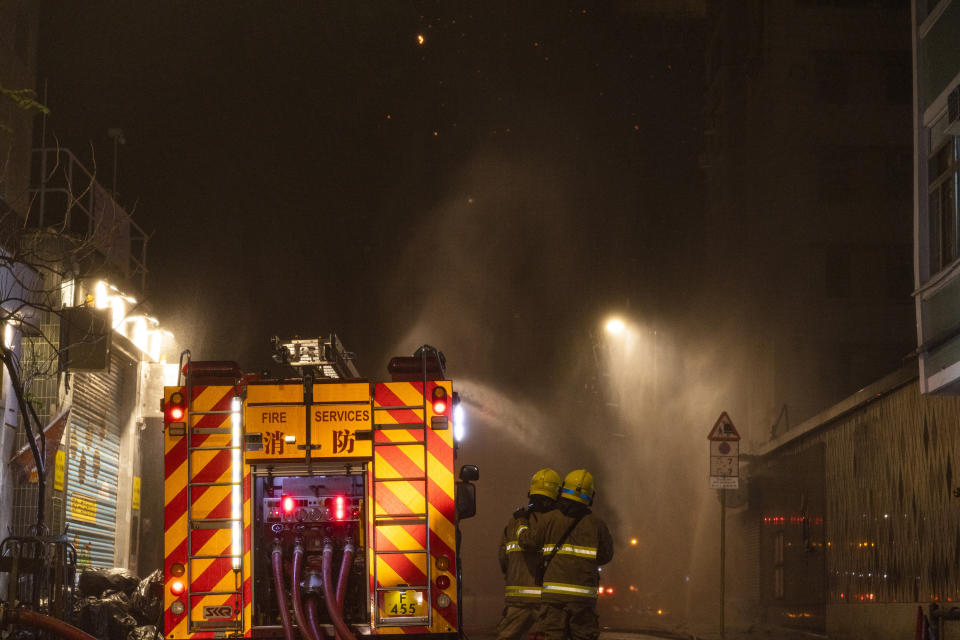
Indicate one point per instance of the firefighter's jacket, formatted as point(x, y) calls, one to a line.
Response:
point(572, 573)
point(519, 566)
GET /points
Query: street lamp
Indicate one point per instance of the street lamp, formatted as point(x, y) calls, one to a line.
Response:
point(615, 326)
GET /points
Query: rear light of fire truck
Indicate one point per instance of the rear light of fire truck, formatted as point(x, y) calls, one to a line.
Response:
point(439, 399)
point(175, 413)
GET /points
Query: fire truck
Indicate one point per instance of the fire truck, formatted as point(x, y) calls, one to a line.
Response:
point(321, 505)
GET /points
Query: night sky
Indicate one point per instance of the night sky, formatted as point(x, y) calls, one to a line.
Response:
point(313, 167)
point(495, 190)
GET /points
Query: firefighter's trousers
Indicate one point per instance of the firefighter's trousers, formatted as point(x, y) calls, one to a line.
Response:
point(568, 620)
point(517, 620)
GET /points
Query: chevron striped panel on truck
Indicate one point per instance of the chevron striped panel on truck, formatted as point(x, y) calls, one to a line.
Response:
point(211, 467)
point(395, 495)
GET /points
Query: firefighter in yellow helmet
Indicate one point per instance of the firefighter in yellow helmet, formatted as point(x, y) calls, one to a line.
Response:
point(574, 543)
point(522, 596)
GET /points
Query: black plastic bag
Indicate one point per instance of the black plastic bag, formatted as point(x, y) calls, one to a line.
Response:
point(145, 632)
point(106, 618)
point(146, 603)
point(22, 633)
point(94, 582)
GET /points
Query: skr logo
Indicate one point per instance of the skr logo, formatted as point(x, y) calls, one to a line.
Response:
point(217, 613)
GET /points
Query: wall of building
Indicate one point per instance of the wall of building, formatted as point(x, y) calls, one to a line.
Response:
point(885, 531)
point(936, 203)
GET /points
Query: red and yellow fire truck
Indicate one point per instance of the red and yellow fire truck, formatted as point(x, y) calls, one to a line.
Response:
point(315, 506)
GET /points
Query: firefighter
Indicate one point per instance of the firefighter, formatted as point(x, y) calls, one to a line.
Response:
point(574, 543)
point(519, 567)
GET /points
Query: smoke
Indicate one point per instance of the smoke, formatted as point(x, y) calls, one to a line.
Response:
point(519, 423)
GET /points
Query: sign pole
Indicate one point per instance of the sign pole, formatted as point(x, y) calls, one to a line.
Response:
point(724, 474)
point(723, 557)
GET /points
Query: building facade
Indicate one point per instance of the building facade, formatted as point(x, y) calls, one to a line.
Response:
point(936, 203)
point(93, 362)
point(94, 387)
point(856, 516)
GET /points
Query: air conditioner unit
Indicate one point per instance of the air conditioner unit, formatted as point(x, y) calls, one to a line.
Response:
point(953, 112)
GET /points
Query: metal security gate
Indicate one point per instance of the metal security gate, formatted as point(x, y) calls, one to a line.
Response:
point(93, 462)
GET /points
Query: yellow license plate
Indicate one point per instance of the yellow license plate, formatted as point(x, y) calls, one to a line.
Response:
point(405, 604)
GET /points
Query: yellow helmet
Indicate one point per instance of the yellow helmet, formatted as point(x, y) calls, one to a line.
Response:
point(578, 485)
point(545, 482)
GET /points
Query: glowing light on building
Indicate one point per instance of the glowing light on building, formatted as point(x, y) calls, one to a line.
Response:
point(142, 330)
point(8, 335)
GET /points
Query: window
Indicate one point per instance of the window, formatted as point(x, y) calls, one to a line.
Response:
point(942, 179)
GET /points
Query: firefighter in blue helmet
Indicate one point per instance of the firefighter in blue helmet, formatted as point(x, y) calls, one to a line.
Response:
point(522, 596)
point(574, 543)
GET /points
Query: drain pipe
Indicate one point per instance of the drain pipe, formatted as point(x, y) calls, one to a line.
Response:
point(298, 611)
point(330, 597)
point(27, 618)
point(281, 595)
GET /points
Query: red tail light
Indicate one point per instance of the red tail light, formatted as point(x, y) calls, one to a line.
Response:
point(338, 508)
point(439, 399)
point(288, 504)
point(176, 408)
point(176, 587)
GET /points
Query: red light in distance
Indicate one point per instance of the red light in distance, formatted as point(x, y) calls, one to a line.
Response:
point(288, 504)
point(338, 512)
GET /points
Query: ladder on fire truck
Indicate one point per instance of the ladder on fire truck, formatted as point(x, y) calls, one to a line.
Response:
point(406, 519)
point(226, 374)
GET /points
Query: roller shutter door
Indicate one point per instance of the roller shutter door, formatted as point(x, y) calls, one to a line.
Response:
point(93, 462)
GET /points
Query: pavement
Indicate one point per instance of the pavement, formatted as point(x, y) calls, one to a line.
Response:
point(754, 633)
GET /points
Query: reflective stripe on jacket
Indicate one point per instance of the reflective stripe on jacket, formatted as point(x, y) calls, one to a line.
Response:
point(572, 573)
point(519, 567)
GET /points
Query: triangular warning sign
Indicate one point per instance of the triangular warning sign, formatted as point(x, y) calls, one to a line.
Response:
point(723, 429)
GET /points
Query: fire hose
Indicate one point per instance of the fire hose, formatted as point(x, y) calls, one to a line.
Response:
point(298, 611)
point(330, 596)
point(27, 618)
point(281, 595)
point(345, 565)
point(313, 616)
